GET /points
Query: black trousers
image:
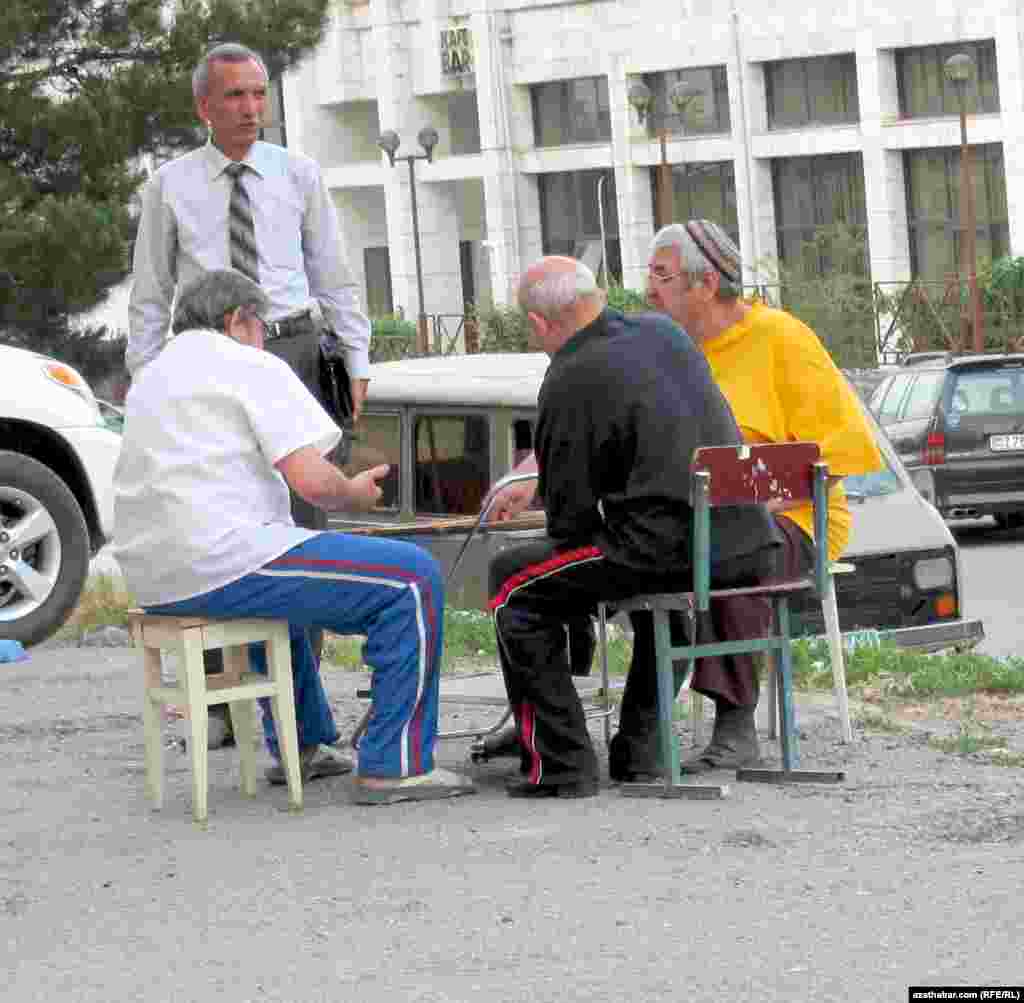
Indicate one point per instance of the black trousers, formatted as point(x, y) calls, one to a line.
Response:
point(537, 591)
point(731, 679)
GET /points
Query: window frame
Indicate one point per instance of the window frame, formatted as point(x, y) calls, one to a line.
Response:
point(414, 414)
point(848, 60)
point(567, 123)
point(983, 54)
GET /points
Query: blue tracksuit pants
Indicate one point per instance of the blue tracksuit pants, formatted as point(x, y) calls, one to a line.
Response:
point(388, 590)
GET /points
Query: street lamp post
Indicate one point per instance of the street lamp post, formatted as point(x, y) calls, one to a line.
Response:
point(389, 143)
point(958, 70)
point(680, 96)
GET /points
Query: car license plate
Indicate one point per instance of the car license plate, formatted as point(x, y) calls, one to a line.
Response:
point(1005, 443)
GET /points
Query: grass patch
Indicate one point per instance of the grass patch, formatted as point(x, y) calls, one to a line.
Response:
point(1003, 757)
point(104, 602)
point(469, 636)
point(904, 673)
point(873, 721)
point(966, 742)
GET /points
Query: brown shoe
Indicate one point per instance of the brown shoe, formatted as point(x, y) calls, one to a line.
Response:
point(733, 744)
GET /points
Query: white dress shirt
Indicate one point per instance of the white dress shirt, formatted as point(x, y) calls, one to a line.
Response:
point(183, 231)
point(197, 501)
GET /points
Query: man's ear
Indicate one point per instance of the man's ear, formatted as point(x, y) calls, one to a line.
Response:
point(231, 319)
point(202, 110)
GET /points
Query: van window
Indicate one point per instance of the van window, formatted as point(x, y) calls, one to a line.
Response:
point(378, 439)
point(923, 396)
point(888, 407)
point(453, 463)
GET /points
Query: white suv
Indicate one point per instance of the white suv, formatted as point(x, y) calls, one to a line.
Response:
point(57, 457)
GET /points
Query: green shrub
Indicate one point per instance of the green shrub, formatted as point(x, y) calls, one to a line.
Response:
point(393, 338)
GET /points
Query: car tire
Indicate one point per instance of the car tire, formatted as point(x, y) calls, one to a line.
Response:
point(56, 552)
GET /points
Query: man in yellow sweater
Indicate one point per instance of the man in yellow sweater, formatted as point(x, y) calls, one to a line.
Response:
point(782, 386)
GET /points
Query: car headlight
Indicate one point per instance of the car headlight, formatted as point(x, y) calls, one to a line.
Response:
point(933, 573)
point(66, 377)
point(70, 379)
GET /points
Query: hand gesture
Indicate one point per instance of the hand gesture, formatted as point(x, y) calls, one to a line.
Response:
point(509, 501)
point(364, 492)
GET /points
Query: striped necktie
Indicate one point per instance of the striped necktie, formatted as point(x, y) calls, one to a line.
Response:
point(244, 257)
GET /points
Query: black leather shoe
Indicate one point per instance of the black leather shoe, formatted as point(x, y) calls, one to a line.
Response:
point(571, 789)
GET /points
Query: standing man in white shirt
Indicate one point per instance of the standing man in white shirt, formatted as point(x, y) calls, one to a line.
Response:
point(264, 211)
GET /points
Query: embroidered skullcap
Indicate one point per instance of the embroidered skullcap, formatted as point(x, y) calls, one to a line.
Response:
point(717, 249)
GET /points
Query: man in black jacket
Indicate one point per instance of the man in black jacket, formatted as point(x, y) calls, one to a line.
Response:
point(624, 404)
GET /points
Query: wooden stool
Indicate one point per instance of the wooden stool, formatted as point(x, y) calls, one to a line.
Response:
point(195, 692)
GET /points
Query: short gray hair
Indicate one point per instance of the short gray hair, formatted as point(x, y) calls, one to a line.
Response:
point(206, 301)
point(703, 246)
point(226, 52)
point(556, 290)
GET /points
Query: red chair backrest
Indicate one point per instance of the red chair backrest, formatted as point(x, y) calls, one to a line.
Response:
point(763, 472)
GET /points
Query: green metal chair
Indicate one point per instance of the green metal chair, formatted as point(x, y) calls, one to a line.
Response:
point(730, 476)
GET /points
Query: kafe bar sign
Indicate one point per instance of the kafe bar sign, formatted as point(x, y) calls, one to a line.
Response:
point(456, 51)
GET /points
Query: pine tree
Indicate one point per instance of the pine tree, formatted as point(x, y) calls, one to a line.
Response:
point(86, 88)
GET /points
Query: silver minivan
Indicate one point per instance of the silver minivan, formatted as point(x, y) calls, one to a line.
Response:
point(450, 426)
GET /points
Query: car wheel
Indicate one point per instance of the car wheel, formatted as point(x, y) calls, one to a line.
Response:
point(44, 549)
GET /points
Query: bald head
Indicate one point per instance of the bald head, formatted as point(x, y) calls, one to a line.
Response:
point(560, 296)
point(555, 283)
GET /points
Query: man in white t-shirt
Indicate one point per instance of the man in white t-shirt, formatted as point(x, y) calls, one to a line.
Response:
point(216, 432)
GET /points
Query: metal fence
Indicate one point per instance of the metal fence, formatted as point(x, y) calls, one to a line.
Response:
point(863, 324)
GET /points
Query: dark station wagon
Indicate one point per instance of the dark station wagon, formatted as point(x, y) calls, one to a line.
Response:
point(451, 426)
point(957, 424)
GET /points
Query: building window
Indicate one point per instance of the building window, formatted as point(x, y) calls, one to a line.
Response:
point(463, 123)
point(708, 114)
point(813, 194)
point(453, 463)
point(273, 130)
point(571, 111)
point(933, 208)
point(818, 91)
point(377, 269)
point(570, 220)
point(924, 90)
point(703, 191)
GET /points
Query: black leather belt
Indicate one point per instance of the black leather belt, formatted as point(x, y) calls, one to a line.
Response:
point(289, 327)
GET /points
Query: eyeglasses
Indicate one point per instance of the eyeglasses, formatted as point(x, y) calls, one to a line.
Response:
point(662, 279)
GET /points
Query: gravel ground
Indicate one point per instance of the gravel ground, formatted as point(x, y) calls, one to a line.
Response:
point(907, 873)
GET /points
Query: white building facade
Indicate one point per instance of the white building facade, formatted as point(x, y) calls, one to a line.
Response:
point(809, 114)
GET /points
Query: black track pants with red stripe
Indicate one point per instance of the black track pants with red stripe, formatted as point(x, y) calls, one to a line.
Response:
point(536, 591)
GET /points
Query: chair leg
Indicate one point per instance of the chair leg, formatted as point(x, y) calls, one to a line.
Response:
point(199, 721)
point(668, 744)
point(773, 695)
point(282, 705)
point(787, 722)
point(784, 674)
point(602, 630)
point(830, 609)
point(245, 727)
point(152, 712)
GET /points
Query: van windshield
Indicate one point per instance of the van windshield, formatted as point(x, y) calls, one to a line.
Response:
point(882, 482)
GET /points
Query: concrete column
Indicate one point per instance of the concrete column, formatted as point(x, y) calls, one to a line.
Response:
point(632, 182)
point(500, 239)
point(755, 207)
point(1010, 67)
point(884, 189)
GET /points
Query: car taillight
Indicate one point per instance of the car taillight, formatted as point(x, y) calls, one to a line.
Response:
point(934, 449)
